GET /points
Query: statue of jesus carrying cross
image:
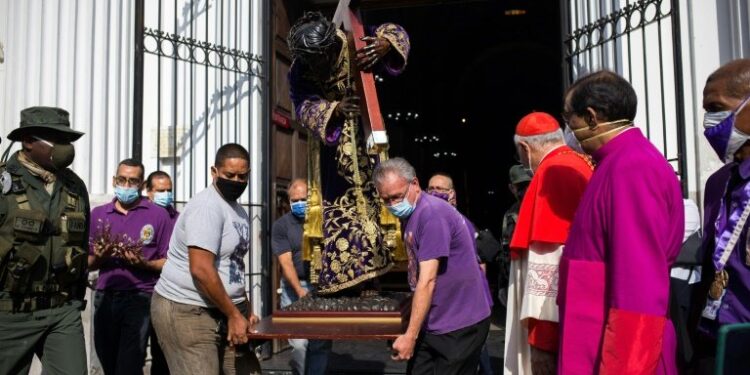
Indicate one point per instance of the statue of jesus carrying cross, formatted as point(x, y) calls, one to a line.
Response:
point(348, 237)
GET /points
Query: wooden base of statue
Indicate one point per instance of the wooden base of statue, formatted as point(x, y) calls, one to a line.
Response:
point(305, 323)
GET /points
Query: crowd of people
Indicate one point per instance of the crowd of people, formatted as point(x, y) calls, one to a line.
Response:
point(603, 265)
point(176, 279)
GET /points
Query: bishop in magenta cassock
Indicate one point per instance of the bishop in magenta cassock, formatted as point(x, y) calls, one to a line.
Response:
point(614, 273)
point(560, 178)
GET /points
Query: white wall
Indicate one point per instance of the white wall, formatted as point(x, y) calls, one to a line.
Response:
point(76, 55)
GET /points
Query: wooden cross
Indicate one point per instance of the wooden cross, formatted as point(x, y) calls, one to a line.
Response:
point(348, 17)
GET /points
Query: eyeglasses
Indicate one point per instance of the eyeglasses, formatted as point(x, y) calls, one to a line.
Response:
point(390, 201)
point(125, 181)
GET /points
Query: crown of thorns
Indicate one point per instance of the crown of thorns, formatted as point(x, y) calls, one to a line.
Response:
point(312, 34)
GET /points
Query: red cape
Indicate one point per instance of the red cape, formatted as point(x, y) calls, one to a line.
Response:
point(551, 200)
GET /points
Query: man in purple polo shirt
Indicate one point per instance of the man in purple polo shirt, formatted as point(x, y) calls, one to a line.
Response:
point(451, 304)
point(129, 239)
point(441, 185)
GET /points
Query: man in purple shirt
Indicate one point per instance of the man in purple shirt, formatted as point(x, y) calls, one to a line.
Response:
point(724, 292)
point(441, 185)
point(451, 304)
point(128, 239)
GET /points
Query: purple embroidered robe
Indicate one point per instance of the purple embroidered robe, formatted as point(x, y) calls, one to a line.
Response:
point(353, 247)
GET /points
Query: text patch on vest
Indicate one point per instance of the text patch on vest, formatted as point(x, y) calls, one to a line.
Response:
point(28, 222)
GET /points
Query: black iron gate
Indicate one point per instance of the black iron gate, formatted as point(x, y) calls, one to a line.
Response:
point(197, 53)
point(197, 86)
point(639, 40)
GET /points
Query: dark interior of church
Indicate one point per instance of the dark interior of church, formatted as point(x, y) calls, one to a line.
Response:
point(475, 68)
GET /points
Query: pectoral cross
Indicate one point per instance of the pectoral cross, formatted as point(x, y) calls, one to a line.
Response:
point(348, 17)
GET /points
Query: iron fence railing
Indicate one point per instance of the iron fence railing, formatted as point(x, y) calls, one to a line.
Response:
point(640, 40)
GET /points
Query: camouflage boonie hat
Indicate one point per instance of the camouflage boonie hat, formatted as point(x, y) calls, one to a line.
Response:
point(518, 174)
point(44, 118)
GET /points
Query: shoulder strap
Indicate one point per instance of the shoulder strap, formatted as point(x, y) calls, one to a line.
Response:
point(4, 158)
point(735, 236)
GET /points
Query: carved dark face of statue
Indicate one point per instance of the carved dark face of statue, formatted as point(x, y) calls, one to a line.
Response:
point(313, 41)
point(323, 63)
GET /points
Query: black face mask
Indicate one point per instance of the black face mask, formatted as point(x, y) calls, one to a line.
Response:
point(229, 189)
point(62, 156)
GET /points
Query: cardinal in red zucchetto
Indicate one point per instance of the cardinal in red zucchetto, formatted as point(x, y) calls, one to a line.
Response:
point(560, 176)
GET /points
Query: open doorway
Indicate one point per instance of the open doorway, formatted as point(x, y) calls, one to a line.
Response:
point(474, 70)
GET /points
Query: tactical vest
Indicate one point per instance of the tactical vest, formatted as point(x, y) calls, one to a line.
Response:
point(42, 248)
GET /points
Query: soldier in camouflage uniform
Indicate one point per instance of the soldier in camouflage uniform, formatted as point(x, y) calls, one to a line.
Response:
point(519, 181)
point(44, 214)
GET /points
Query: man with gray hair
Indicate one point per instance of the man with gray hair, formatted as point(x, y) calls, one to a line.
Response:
point(560, 176)
point(450, 309)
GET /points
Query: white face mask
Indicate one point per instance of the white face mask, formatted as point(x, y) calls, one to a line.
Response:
point(572, 141)
point(722, 133)
point(711, 119)
point(736, 140)
point(616, 129)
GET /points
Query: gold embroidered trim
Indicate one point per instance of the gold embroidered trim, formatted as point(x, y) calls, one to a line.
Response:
point(355, 281)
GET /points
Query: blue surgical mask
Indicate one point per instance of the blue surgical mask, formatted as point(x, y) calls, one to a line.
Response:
point(402, 209)
point(721, 133)
point(163, 198)
point(299, 208)
point(127, 195)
